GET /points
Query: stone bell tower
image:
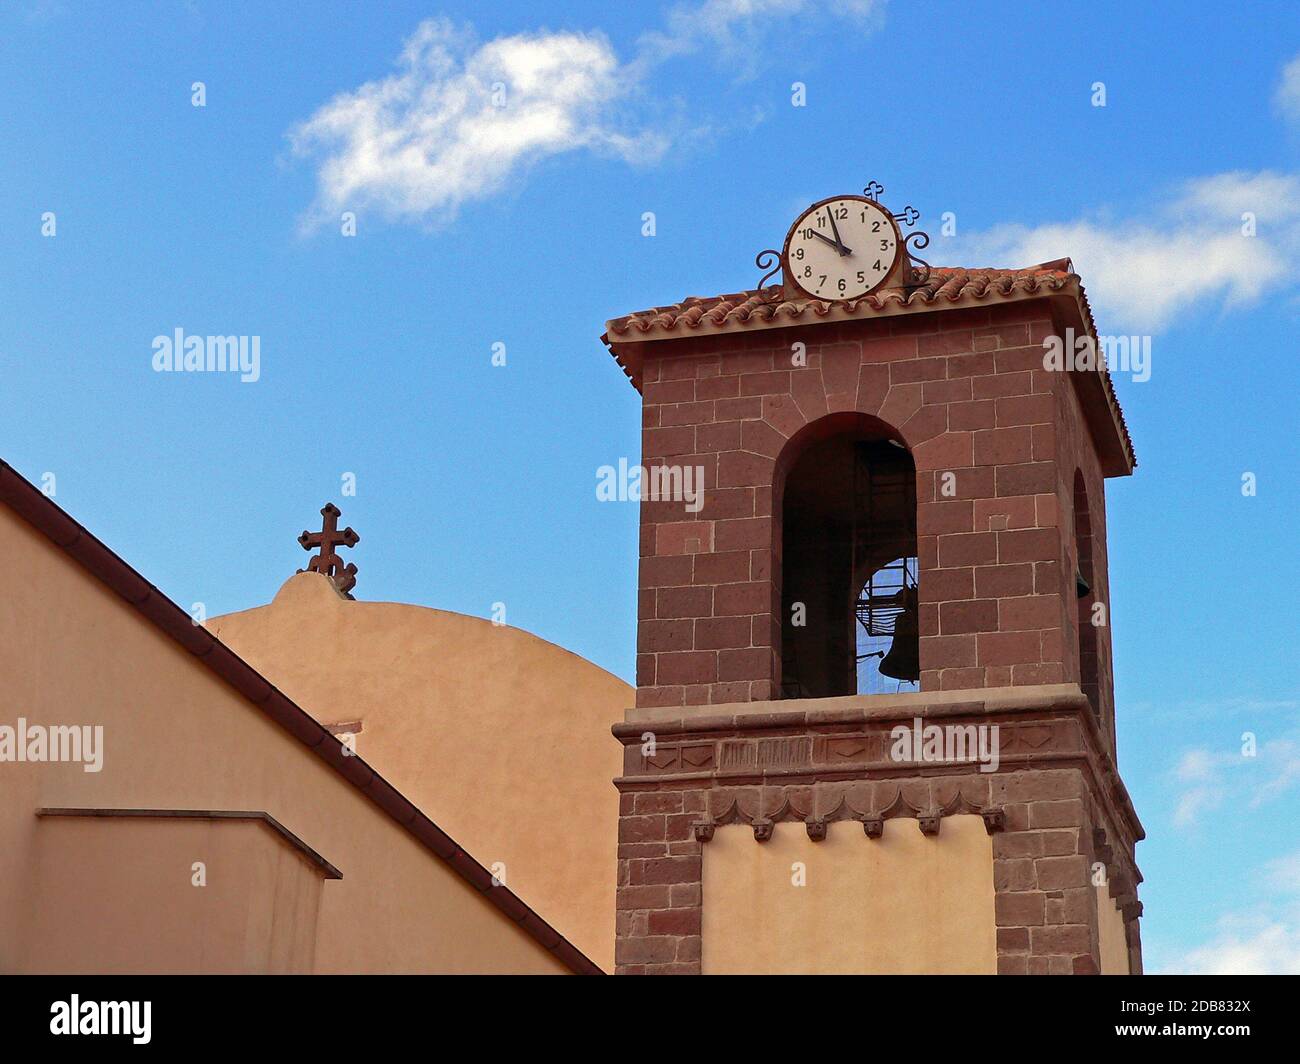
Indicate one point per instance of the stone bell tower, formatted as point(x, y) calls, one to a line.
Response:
point(875, 724)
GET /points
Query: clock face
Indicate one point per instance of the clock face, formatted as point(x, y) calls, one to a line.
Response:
point(841, 249)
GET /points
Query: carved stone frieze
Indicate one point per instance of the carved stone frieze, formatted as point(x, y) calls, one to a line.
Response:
point(817, 808)
point(868, 748)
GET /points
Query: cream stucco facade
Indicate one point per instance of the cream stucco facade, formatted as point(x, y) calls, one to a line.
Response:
point(905, 903)
point(1110, 934)
point(501, 737)
point(105, 894)
point(258, 909)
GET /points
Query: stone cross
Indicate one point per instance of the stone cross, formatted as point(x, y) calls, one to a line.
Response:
point(327, 562)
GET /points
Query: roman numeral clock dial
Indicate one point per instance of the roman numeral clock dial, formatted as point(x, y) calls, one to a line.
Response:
point(841, 248)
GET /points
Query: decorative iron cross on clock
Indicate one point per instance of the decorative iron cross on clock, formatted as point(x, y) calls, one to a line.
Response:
point(327, 562)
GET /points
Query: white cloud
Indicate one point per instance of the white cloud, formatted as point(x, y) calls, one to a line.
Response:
point(436, 134)
point(1206, 779)
point(1261, 939)
point(1199, 773)
point(1287, 96)
point(1193, 249)
point(425, 140)
point(1273, 197)
point(737, 28)
point(1283, 770)
point(1217, 708)
point(1284, 873)
point(1273, 949)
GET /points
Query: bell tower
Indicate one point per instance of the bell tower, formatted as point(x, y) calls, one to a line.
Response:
point(874, 727)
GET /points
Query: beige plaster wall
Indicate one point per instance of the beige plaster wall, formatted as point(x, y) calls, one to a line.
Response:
point(502, 738)
point(256, 912)
point(1110, 935)
point(72, 652)
point(903, 903)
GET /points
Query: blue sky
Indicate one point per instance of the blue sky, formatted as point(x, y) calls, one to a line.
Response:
point(475, 483)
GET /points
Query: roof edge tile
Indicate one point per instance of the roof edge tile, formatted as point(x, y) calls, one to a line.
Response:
point(948, 287)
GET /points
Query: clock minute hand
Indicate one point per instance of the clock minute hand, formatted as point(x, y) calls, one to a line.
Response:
point(838, 246)
point(836, 230)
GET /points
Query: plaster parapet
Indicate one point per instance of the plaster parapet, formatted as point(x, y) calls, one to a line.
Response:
point(1054, 803)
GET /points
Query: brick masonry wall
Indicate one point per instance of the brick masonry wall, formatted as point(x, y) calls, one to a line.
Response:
point(1074, 452)
point(1055, 811)
point(994, 437)
point(1045, 905)
point(660, 883)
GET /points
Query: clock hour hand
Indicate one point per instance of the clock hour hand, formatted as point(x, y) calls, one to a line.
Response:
point(833, 243)
point(836, 230)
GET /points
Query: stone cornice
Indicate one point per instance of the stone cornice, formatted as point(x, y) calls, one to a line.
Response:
point(805, 712)
point(843, 738)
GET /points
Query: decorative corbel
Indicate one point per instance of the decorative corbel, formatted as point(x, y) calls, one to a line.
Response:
point(1100, 848)
point(958, 805)
point(762, 829)
point(703, 830)
point(899, 807)
point(873, 824)
point(818, 824)
point(787, 810)
point(995, 818)
point(732, 813)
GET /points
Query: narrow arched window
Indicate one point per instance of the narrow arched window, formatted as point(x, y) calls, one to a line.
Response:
point(1086, 593)
point(848, 566)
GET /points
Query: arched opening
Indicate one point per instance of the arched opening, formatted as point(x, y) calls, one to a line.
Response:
point(1086, 593)
point(848, 563)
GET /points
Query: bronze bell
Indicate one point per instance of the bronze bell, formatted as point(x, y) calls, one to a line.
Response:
point(1081, 586)
point(903, 660)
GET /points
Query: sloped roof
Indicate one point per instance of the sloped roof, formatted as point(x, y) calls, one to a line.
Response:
point(948, 287)
point(48, 518)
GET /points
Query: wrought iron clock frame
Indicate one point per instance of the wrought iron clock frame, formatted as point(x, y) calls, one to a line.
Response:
point(912, 271)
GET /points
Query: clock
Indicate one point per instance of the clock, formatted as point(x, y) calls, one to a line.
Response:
point(841, 248)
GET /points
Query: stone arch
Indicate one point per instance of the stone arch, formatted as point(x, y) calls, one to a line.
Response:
point(844, 519)
point(1085, 580)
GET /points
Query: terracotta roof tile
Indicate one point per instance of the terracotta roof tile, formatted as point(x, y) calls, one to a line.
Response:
point(948, 286)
